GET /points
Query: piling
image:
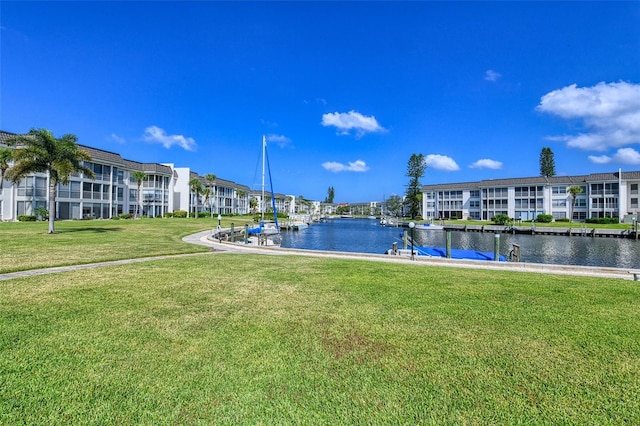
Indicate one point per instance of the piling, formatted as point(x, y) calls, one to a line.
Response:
point(496, 248)
point(448, 245)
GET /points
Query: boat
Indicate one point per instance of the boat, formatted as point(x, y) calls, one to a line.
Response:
point(265, 234)
point(299, 226)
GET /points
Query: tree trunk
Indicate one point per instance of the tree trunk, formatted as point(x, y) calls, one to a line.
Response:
point(52, 205)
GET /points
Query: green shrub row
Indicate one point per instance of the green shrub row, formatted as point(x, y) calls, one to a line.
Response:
point(603, 220)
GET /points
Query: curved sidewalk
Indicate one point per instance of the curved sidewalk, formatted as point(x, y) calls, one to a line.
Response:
point(202, 238)
point(586, 271)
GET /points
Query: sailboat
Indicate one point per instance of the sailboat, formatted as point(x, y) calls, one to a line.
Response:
point(266, 233)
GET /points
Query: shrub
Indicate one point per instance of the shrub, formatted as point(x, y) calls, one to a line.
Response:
point(26, 218)
point(168, 214)
point(603, 220)
point(180, 213)
point(501, 219)
point(544, 218)
point(41, 213)
point(125, 215)
point(562, 219)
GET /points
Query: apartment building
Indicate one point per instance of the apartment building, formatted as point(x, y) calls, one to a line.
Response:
point(612, 194)
point(113, 191)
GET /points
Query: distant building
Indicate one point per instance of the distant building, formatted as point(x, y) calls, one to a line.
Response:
point(113, 190)
point(612, 194)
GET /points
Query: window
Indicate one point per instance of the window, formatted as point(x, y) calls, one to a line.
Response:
point(25, 187)
point(474, 193)
point(559, 203)
point(634, 188)
point(559, 190)
point(634, 203)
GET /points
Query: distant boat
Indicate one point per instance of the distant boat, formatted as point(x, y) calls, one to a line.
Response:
point(266, 233)
point(346, 216)
point(299, 226)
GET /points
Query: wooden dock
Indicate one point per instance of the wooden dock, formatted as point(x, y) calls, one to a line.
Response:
point(542, 230)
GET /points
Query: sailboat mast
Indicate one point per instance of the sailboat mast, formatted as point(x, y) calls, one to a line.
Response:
point(264, 148)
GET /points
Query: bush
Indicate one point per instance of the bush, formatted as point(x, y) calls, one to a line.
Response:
point(180, 213)
point(125, 215)
point(501, 219)
point(562, 219)
point(26, 218)
point(544, 218)
point(603, 220)
point(168, 214)
point(41, 213)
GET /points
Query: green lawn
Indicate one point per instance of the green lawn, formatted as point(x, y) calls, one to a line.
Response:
point(28, 246)
point(249, 339)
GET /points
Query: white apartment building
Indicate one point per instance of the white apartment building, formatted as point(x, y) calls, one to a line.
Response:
point(114, 191)
point(612, 194)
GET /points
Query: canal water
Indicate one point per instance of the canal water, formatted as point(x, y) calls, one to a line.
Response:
point(367, 236)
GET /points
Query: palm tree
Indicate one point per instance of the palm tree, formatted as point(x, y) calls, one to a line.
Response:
point(40, 152)
point(196, 187)
point(139, 177)
point(574, 190)
point(211, 179)
point(206, 196)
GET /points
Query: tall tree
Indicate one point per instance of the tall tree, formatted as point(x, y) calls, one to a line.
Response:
point(330, 195)
point(139, 177)
point(547, 163)
point(6, 155)
point(196, 188)
point(574, 190)
point(393, 205)
point(415, 170)
point(39, 151)
point(211, 181)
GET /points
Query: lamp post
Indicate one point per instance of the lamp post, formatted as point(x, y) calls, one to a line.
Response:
point(219, 228)
point(219, 219)
point(412, 226)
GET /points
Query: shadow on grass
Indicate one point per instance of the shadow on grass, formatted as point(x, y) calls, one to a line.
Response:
point(93, 229)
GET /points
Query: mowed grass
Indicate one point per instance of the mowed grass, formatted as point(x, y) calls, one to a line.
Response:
point(249, 339)
point(28, 246)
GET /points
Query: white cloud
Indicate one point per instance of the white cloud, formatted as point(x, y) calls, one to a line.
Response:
point(600, 159)
point(441, 162)
point(623, 155)
point(352, 120)
point(355, 166)
point(155, 134)
point(279, 140)
point(486, 163)
point(117, 139)
point(609, 112)
point(491, 75)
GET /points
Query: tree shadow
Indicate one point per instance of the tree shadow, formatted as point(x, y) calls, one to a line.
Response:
point(93, 229)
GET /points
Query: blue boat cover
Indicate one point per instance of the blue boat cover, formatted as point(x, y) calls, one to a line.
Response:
point(457, 253)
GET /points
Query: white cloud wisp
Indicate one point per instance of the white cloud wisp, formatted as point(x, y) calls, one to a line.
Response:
point(609, 112)
point(486, 163)
point(345, 122)
point(355, 166)
point(441, 162)
point(155, 134)
point(623, 156)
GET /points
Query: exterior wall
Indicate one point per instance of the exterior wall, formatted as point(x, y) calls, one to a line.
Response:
point(607, 194)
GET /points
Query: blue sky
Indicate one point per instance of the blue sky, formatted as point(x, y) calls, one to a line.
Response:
point(346, 92)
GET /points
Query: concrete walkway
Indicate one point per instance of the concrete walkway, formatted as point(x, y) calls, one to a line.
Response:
point(217, 247)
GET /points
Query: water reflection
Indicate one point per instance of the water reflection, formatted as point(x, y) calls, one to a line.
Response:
point(367, 236)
